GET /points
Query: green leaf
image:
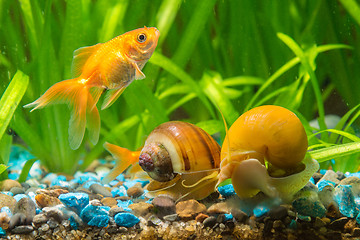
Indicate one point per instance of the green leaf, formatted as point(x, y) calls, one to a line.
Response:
point(26, 169)
point(322, 155)
point(11, 99)
point(5, 148)
point(306, 63)
point(3, 168)
point(353, 8)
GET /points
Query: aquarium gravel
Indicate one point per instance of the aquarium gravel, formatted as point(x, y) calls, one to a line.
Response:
point(55, 206)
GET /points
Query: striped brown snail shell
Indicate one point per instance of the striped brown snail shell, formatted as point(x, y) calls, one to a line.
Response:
point(265, 150)
point(178, 147)
point(181, 158)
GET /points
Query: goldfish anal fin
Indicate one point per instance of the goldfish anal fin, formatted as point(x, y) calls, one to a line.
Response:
point(124, 158)
point(111, 96)
point(80, 56)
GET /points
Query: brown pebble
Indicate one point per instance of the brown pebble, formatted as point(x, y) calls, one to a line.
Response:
point(4, 220)
point(7, 201)
point(239, 215)
point(164, 205)
point(278, 224)
point(53, 193)
point(8, 184)
point(109, 201)
point(135, 192)
point(141, 208)
point(44, 200)
point(189, 209)
point(201, 217)
point(218, 208)
point(333, 211)
point(350, 225)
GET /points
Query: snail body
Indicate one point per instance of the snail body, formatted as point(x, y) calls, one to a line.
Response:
point(263, 148)
point(181, 158)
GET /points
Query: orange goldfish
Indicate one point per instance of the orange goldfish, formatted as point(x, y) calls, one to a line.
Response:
point(111, 66)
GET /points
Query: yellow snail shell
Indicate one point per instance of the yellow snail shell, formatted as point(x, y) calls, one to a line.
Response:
point(269, 136)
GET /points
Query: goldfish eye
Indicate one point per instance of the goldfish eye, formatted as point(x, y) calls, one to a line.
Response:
point(141, 37)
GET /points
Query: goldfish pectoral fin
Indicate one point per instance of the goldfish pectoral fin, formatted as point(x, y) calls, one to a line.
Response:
point(80, 56)
point(77, 123)
point(111, 96)
point(138, 73)
point(124, 158)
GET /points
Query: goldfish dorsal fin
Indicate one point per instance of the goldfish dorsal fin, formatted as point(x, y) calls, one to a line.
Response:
point(111, 96)
point(124, 158)
point(80, 56)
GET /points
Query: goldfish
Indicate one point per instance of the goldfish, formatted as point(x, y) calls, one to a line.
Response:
point(110, 66)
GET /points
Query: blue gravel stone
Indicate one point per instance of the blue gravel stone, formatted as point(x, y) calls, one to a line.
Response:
point(125, 205)
point(7, 211)
point(226, 190)
point(120, 178)
point(99, 221)
point(323, 183)
point(346, 201)
point(323, 171)
point(129, 184)
point(126, 219)
point(75, 200)
point(260, 210)
point(91, 211)
point(312, 180)
point(228, 216)
point(73, 223)
point(2, 232)
point(81, 178)
point(32, 196)
point(113, 183)
point(357, 174)
point(8, 193)
point(119, 192)
point(13, 175)
point(17, 197)
point(38, 210)
point(59, 181)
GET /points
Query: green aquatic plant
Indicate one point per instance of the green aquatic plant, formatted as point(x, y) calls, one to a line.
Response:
point(8, 103)
point(211, 54)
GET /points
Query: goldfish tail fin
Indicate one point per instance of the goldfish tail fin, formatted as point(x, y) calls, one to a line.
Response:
point(124, 158)
point(83, 107)
point(57, 93)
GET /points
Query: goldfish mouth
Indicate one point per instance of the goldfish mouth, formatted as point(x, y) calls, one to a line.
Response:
point(157, 33)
